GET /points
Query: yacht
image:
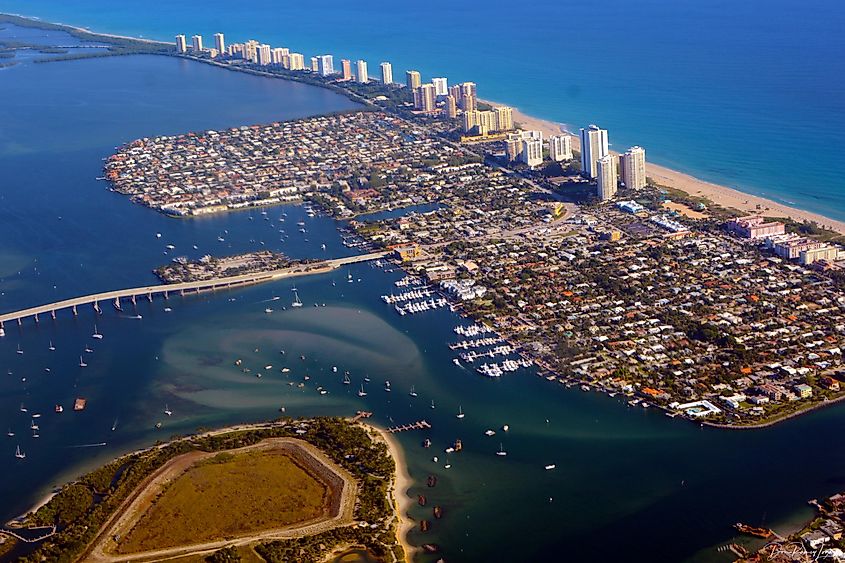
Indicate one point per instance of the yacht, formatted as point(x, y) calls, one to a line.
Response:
point(346, 380)
point(501, 451)
point(296, 301)
point(413, 392)
point(489, 432)
point(32, 426)
point(96, 334)
point(432, 403)
point(51, 348)
point(167, 410)
point(460, 413)
point(19, 351)
point(59, 409)
point(361, 392)
point(506, 427)
point(10, 433)
point(268, 310)
point(550, 466)
point(387, 386)
point(88, 350)
point(19, 454)
point(82, 364)
point(23, 408)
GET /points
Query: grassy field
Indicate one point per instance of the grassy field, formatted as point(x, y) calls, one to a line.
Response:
point(226, 496)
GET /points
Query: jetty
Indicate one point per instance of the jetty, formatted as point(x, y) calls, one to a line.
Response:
point(418, 425)
point(184, 288)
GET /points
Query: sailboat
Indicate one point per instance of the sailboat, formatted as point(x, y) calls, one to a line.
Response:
point(501, 451)
point(82, 364)
point(413, 392)
point(387, 386)
point(23, 408)
point(10, 433)
point(167, 410)
point(432, 403)
point(296, 301)
point(19, 454)
point(361, 392)
point(19, 351)
point(96, 334)
point(346, 380)
point(51, 348)
point(460, 413)
point(32, 426)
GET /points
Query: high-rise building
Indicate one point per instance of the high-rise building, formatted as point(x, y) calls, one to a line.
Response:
point(606, 177)
point(296, 61)
point(532, 152)
point(325, 65)
point(468, 90)
point(560, 147)
point(593, 147)
point(181, 44)
point(441, 86)
point(412, 79)
point(346, 69)
point(451, 109)
point(196, 43)
point(515, 144)
point(387, 73)
point(279, 55)
point(424, 98)
point(219, 43)
point(504, 118)
point(632, 168)
point(315, 64)
point(455, 92)
point(468, 101)
point(251, 51)
point(265, 55)
point(361, 71)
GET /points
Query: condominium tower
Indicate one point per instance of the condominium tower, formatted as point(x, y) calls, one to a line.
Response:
point(593, 147)
point(606, 177)
point(181, 44)
point(386, 73)
point(412, 79)
point(632, 168)
point(219, 43)
point(361, 71)
point(196, 42)
point(560, 147)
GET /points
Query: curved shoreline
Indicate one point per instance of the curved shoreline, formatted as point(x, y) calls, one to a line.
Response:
point(800, 412)
point(695, 187)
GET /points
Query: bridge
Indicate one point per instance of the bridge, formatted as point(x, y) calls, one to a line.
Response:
point(183, 288)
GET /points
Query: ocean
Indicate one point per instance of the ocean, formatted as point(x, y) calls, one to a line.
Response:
point(747, 94)
point(628, 481)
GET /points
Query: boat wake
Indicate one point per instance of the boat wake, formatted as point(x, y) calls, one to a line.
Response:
point(98, 445)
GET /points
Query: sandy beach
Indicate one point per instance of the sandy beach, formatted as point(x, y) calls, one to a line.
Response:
point(721, 195)
point(401, 484)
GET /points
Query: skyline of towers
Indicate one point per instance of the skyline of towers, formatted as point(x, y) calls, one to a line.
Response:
point(386, 72)
point(594, 146)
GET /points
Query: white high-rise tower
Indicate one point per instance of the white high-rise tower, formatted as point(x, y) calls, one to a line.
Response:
point(593, 147)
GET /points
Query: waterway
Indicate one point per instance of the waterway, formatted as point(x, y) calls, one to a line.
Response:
point(627, 481)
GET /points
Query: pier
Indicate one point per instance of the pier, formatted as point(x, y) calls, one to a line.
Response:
point(183, 288)
point(418, 425)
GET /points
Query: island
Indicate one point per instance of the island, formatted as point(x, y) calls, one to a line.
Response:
point(292, 490)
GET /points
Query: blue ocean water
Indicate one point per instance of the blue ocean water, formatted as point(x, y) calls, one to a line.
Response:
point(749, 94)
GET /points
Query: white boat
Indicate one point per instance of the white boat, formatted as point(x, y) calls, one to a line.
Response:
point(268, 367)
point(51, 348)
point(361, 392)
point(296, 301)
point(456, 361)
point(167, 309)
point(82, 364)
point(268, 310)
point(23, 408)
point(167, 410)
point(550, 466)
point(96, 334)
point(19, 351)
point(19, 454)
point(489, 432)
point(460, 413)
point(447, 466)
point(432, 403)
point(334, 369)
point(506, 427)
point(10, 433)
point(34, 427)
point(387, 386)
point(413, 392)
point(501, 451)
point(346, 380)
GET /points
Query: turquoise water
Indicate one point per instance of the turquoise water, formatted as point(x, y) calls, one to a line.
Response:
point(749, 94)
point(628, 481)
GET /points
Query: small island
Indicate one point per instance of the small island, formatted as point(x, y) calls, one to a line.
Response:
point(292, 490)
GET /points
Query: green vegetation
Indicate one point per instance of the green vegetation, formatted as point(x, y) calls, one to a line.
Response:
point(347, 444)
point(228, 496)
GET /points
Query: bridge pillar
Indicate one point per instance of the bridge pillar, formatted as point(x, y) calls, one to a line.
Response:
point(182, 292)
point(97, 307)
point(53, 314)
point(166, 296)
point(133, 299)
point(74, 310)
point(150, 297)
point(117, 303)
point(19, 321)
point(36, 318)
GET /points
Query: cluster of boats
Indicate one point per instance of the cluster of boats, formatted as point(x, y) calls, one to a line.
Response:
point(420, 306)
point(408, 280)
point(472, 330)
point(419, 293)
point(477, 343)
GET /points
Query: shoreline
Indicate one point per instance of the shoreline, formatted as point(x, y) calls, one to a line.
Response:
point(719, 194)
point(401, 484)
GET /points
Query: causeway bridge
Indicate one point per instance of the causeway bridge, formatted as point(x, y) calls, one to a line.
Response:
point(184, 288)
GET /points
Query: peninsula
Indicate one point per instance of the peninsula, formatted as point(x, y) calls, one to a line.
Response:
point(298, 489)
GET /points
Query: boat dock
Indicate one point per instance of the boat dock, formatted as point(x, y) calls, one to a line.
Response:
point(418, 425)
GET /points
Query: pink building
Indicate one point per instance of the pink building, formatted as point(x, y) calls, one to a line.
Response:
point(755, 226)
